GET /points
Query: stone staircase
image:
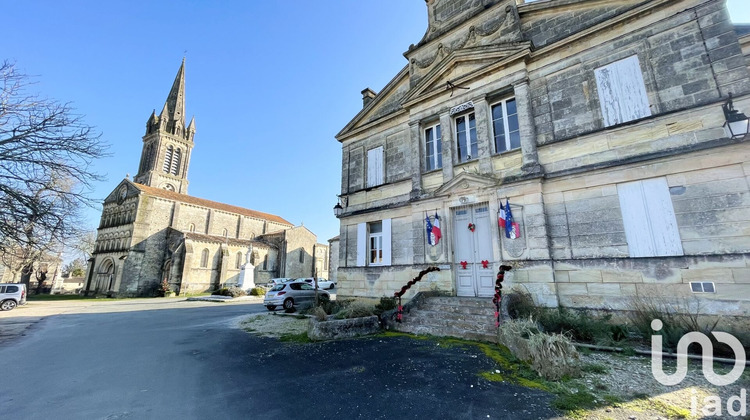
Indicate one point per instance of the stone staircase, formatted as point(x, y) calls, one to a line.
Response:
point(461, 317)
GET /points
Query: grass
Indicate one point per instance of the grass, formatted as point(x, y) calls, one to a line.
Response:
point(57, 297)
point(295, 338)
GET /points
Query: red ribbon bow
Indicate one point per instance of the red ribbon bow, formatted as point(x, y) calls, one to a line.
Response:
point(485, 263)
point(463, 264)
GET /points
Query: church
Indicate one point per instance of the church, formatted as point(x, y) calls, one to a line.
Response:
point(152, 231)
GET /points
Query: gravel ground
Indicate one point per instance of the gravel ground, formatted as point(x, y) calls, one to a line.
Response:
point(623, 385)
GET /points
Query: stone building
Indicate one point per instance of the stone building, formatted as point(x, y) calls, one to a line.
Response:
point(601, 123)
point(151, 230)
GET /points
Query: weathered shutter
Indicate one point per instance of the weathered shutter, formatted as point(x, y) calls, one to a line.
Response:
point(664, 232)
point(387, 242)
point(361, 244)
point(649, 220)
point(375, 166)
point(622, 92)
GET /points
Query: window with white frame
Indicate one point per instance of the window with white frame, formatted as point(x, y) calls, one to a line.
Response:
point(433, 148)
point(702, 287)
point(374, 243)
point(466, 137)
point(649, 219)
point(505, 125)
point(375, 166)
point(622, 93)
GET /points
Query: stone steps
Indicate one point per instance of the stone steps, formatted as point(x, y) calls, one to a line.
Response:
point(467, 318)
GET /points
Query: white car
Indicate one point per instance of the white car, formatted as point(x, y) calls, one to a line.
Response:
point(322, 283)
point(12, 295)
point(277, 281)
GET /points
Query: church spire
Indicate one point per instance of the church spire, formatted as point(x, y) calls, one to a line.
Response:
point(176, 99)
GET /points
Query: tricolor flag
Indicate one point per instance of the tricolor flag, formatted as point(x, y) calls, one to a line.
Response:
point(505, 221)
point(436, 229)
point(433, 230)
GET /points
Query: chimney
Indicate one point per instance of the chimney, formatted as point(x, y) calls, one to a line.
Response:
point(367, 96)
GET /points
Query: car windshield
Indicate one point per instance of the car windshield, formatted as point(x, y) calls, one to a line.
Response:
point(278, 287)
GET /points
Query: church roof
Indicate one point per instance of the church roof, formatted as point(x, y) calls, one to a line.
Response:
point(184, 198)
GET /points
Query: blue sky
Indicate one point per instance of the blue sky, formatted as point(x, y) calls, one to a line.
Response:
point(270, 83)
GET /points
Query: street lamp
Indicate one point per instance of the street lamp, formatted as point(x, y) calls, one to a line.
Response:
point(338, 209)
point(737, 123)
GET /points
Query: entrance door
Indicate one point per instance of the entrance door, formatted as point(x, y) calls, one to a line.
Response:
point(473, 248)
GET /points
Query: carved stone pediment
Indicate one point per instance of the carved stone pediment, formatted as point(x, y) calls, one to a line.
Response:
point(467, 182)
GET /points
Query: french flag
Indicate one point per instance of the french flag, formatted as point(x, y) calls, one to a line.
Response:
point(433, 230)
point(506, 223)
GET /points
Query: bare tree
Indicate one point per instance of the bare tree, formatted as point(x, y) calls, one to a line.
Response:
point(46, 152)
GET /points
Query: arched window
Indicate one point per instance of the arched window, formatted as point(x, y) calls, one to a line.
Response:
point(238, 263)
point(224, 233)
point(168, 159)
point(265, 262)
point(191, 228)
point(118, 243)
point(175, 165)
point(204, 258)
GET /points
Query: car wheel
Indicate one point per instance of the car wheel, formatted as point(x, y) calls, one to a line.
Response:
point(289, 304)
point(7, 305)
point(271, 307)
point(332, 286)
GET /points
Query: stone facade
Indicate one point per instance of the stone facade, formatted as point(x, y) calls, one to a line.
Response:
point(602, 125)
point(151, 230)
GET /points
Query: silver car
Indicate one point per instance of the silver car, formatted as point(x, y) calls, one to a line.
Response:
point(289, 295)
point(12, 295)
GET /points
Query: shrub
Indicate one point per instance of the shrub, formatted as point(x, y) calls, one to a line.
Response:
point(386, 304)
point(356, 310)
point(319, 313)
point(257, 291)
point(233, 291)
point(552, 356)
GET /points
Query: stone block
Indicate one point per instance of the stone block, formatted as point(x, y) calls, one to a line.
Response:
point(741, 275)
point(604, 289)
point(540, 276)
point(572, 289)
point(621, 277)
point(561, 276)
point(585, 276)
point(628, 290)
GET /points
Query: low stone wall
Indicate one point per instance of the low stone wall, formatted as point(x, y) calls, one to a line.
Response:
point(342, 328)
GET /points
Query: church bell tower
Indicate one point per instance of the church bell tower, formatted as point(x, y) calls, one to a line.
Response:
point(167, 143)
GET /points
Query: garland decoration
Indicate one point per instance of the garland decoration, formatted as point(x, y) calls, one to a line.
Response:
point(497, 299)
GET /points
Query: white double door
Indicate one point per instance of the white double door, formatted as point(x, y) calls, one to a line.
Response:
point(471, 248)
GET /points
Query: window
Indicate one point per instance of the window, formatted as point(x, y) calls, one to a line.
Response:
point(238, 261)
point(622, 93)
point(375, 166)
point(648, 217)
point(466, 137)
point(175, 165)
point(204, 258)
point(374, 243)
point(505, 126)
point(433, 148)
point(702, 287)
point(167, 159)
point(224, 233)
point(191, 228)
point(301, 256)
point(265, 262)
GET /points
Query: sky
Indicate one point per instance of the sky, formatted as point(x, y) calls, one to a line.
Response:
point(270, 84)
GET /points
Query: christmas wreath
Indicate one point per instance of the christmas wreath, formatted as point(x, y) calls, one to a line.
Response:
point(472, 227)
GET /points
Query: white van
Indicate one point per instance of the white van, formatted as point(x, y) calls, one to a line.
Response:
point(12, 295)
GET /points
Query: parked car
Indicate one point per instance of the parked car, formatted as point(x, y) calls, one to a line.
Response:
point(289, 295)
point(322, 283)
point(12, 295)
point(280, 280)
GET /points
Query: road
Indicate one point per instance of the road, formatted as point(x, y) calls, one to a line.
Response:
point(171, 359)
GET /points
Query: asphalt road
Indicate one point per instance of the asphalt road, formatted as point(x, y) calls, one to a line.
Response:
point(187, 360)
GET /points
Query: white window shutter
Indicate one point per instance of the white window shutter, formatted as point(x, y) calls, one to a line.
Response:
point(361, 244)
point(375, 166)
point(622, 92)
point(666, 236)
point(635, 219)
point(387, 242)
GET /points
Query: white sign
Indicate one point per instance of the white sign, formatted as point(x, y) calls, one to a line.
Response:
point(463, 107)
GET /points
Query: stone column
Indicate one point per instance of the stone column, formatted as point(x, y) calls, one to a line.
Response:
point(446, 133)
point(526, 127)
point(415, 148)
point(484, 144)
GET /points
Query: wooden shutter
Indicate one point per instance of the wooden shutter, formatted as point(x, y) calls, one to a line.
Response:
point(649, 219)
point(375, 166)
point(361, 244)
point(387, 242)
point(622, 92)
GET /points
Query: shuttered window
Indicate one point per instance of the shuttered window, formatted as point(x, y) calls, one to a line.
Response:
point(375, 166)
point(622, 93)
point(374, 243)
point(433, 148)
point(648, 217)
